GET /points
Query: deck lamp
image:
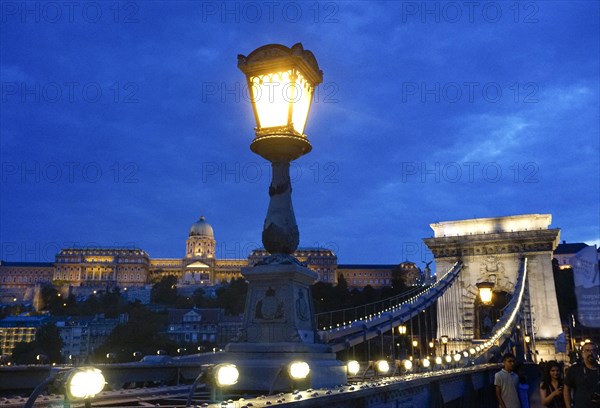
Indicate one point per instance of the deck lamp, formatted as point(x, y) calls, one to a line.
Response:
point(382, 366)
point(78, 384)
point(84, 383)
point(226, 374)
point(298, 370)
point(353, 367)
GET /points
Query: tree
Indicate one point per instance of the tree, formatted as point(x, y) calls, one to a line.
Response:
point(232, 297)
point(165, 291)
point(144, 331)
point(47, 342)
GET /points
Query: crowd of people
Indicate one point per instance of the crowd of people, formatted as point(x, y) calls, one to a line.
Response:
point(578, 388)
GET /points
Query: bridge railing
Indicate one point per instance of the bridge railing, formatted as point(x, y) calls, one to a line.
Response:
point(349, 333)
point(339, 317)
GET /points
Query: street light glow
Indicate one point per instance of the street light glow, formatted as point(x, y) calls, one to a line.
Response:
point(485, 292)
point(299, 370)
point(226, 374)
point(383, 366)
point(84, 383)
point(353, 367)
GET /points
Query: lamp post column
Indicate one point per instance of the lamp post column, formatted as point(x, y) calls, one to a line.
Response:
point(280, 232)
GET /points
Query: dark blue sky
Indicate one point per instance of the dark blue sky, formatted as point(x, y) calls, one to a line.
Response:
point(123, 122)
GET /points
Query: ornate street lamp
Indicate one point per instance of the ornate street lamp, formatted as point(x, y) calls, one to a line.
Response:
point(281, 81)
point(485, 292)
point(279, 326)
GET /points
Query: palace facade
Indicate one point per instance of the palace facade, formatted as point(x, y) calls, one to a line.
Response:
point(83, 270)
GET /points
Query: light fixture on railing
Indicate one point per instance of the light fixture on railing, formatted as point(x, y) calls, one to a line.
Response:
point(353, 367)
point(445, 343)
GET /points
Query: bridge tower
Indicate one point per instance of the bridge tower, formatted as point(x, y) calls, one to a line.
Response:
point(490, 249)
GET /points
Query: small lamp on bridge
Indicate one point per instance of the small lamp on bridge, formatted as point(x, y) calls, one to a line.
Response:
point(401, 329)
point(382, 366)
point(527, 338)
point(485, 292)
point(445, 343)
point(216, 377)
point(79, 384)
point(353, 367)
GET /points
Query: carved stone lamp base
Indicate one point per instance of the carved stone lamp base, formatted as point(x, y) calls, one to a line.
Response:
point(279, 328)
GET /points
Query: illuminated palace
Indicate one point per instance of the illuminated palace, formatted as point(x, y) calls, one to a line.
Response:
point(86, 269)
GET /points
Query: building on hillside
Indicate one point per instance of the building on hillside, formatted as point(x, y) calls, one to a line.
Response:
point(18, 279)
point(358, 276)
point(410, 273)
point(82, 335)
point(101, 267)
point(566, 251)
point(16, 329)
point(321, 260)
point(81, 271)
point(194, 326)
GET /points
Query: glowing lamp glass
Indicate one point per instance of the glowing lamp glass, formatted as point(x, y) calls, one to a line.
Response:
point(402, 329)
point(447, 358)
point(353, 367)
point(408, 365)
point(465, 354)
point(299, 370)
point(485, 292)
point(438, 360)
point(85, 383)
point(415, 343)
point(426, 363)
point(472, 350)
point(444, 339)
point(527, 339)
point(383, 366)
point(226, 374)
point(457, 357)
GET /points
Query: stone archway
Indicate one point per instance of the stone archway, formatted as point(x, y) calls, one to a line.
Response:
point(491, 249)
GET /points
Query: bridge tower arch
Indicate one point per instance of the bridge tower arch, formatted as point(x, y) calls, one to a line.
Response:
point(491, 249)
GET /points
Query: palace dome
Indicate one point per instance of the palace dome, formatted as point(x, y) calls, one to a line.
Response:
point(201, 228)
